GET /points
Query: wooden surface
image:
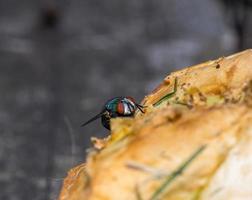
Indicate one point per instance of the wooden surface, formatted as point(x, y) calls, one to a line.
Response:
point(55, 76)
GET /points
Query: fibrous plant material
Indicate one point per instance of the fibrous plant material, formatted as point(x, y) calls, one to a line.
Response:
point(169, 95)
point(194, 141)
point(171, 177)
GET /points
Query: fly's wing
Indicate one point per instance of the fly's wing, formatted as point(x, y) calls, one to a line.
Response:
point(94, 118)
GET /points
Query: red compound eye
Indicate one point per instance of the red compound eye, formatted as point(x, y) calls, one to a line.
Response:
point(120, 108)
point(131, 99)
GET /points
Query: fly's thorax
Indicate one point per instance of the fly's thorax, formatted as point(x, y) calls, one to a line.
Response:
point(111, 105)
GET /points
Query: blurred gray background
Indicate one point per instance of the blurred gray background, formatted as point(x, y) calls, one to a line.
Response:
point(61, 60)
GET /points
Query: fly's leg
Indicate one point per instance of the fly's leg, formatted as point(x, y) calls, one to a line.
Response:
point(140, 107)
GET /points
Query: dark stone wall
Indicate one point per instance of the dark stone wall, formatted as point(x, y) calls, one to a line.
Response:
point(61, 60)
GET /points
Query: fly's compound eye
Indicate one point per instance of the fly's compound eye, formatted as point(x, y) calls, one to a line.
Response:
point(120, 108)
